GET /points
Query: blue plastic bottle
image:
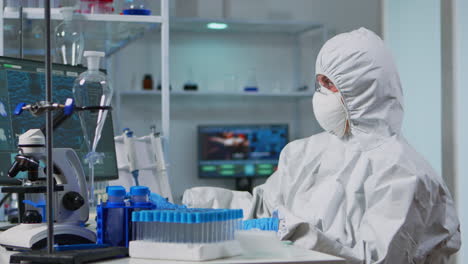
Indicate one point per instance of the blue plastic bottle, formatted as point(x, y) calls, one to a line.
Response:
point(114, 231)
point(139, 195)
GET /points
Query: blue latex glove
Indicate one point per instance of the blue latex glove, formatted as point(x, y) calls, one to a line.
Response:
point(266, 224)
point(163, 203)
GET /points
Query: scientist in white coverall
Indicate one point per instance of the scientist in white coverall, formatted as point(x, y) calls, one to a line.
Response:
point(358, 190)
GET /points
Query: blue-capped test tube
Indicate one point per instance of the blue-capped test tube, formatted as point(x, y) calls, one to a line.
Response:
point(135, 225)
point(115, 222)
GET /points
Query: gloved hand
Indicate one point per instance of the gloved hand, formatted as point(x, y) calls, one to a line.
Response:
point(163, 203)
point(266, 224)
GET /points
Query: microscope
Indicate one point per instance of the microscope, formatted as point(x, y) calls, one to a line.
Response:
point(71, 207)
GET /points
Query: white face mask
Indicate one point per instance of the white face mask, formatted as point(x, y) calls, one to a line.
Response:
point(330, 111)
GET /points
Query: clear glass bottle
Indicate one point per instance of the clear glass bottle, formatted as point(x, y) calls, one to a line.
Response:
point(251, 85)
point(92, 88)
point(69, 41)
point(190, 84)
point(136, 7)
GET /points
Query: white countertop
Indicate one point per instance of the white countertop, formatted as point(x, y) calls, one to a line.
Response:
point(292, 254)
point(297, 255)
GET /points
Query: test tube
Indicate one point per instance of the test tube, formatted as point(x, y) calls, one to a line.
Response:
point(159, 231)
point(134, 218)
point(158, 226)
point(171, 227)
point(223, 226)
point(168, 227)
point(226, 224)
point(149, 228)
point(137, 231)
point(219, 226)
point(190, 228)
point(231, 218)
point(215, 227)
point(163, 226)
point(212, 228)
point(146, 225)
point(203, 228)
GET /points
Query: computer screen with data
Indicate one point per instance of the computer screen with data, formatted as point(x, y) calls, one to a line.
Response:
point(23, 81)
point(239, 151)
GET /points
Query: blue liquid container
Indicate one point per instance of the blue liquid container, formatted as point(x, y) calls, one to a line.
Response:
point(115, 225)
point(136, 7)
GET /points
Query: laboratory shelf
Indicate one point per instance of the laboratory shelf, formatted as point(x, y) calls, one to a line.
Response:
point(106, 32)
point(213, 93)
point(38, 13)
point(244, 26)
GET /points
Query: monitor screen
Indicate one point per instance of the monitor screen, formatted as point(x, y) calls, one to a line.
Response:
point(240, 150)
point(23, 81)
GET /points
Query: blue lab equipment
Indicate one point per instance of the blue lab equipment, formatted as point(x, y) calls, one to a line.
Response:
point(113, 216)
point(163, 203)
point(115, 213)
point(136, 7)
point(190, 225)
point(251, 89)
point(139, 195)
point(148, 216)
point(266, 224)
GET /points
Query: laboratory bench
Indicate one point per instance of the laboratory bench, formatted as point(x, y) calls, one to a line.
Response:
point(295, 255)
point(292, 254)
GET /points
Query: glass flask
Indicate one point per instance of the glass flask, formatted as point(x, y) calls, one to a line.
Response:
point(92, 88)
point(69, 40)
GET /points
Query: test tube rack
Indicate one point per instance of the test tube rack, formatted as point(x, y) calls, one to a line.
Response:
point(102, 221)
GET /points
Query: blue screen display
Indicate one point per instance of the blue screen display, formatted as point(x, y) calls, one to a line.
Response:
point(240, 151)
point(23, 81)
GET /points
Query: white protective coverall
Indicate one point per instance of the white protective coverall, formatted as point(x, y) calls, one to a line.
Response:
point(368, 197)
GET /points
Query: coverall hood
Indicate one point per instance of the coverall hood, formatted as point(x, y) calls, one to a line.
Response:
point(362, 68)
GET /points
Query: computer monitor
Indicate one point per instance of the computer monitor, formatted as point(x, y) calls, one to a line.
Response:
point(24, 81)
point(240, 151)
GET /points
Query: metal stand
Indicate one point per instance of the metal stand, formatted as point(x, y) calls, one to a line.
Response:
point(49, 137)
point(49, 133)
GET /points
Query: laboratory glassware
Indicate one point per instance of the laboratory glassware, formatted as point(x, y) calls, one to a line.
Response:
point(190, 84)
point(136, 7)
point(69, 41)
point(92, 88)
point(147, 82)
point(251, 85)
